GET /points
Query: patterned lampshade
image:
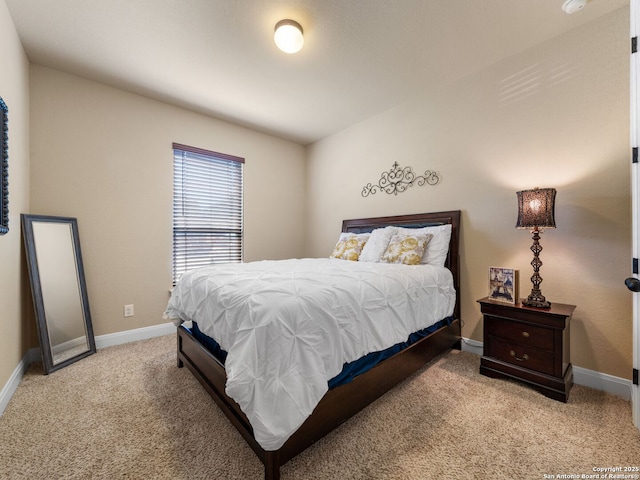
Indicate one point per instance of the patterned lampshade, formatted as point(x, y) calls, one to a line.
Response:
point(536, 208)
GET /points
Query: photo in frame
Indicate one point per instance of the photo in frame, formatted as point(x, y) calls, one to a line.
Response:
point(503, 285)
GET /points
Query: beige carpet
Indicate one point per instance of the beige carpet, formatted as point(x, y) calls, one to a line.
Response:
point(129, 412)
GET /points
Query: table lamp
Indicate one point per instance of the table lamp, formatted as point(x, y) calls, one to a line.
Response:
point(536, 211)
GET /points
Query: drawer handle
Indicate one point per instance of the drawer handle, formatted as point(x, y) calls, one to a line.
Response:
point(524, 357)
point(525, 334)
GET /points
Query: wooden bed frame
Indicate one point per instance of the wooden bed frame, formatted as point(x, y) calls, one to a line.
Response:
point(340, 403)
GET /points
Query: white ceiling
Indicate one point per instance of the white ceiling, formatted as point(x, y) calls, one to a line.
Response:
point(217, 57)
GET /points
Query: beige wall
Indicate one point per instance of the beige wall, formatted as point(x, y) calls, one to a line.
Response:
point(15, 330)
point(105, 157)
point(553, 116)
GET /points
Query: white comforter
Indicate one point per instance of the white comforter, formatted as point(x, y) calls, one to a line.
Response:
point(289, 326)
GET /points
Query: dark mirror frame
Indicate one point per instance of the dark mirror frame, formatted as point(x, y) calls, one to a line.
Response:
point(4, 180)
point(36, 290)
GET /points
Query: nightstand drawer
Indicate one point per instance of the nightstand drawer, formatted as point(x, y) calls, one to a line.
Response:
point(521, 355)
point(521, 333)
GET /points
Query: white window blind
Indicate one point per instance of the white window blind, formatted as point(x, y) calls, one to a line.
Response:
point(207, 208)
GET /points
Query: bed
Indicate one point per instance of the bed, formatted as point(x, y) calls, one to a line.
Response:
point(339, 403)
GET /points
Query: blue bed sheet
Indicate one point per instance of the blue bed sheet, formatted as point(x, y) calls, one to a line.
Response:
point(350, 370)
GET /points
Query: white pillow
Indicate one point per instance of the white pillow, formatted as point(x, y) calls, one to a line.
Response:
point(377, 244)
point(438, 246)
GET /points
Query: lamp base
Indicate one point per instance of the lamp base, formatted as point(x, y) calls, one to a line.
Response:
point(536, 302)
point(535, 298)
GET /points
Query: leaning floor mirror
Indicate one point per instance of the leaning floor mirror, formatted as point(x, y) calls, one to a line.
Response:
point(60, 301)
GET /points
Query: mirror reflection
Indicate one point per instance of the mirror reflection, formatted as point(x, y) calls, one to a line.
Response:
point(59, 290)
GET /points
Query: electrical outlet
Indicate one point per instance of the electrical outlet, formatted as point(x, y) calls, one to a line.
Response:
point(128, 310)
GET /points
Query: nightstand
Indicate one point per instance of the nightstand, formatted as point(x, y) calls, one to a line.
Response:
point(528, 344)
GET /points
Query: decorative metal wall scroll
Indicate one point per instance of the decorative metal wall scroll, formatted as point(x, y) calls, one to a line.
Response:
point(4, 169)
point(398, 179)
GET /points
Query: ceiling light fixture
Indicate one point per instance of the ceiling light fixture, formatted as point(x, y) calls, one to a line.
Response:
point(572, 6)
point(288, 36)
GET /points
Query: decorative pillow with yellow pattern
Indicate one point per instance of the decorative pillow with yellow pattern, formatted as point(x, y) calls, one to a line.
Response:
point(349, 246)
point(406, 249)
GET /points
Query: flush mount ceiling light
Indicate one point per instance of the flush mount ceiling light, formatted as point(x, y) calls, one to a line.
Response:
point(572, 6)
point(288, 36)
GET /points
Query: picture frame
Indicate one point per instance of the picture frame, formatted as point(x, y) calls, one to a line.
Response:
point(503, 285)
point(4, 169)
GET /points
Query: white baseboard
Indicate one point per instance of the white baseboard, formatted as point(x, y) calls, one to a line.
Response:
point(102, 341)
point(602, 381)
point(581, 376)
point(134, 335)
point(472, 346)
point(32, 355)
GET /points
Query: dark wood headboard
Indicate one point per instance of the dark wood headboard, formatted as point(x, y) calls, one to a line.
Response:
point(419, 220)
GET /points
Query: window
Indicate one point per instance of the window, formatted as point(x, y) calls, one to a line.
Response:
point(207, 208)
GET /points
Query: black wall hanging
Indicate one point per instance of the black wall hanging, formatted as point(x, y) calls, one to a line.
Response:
point(4, 169)
point(398, 179)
